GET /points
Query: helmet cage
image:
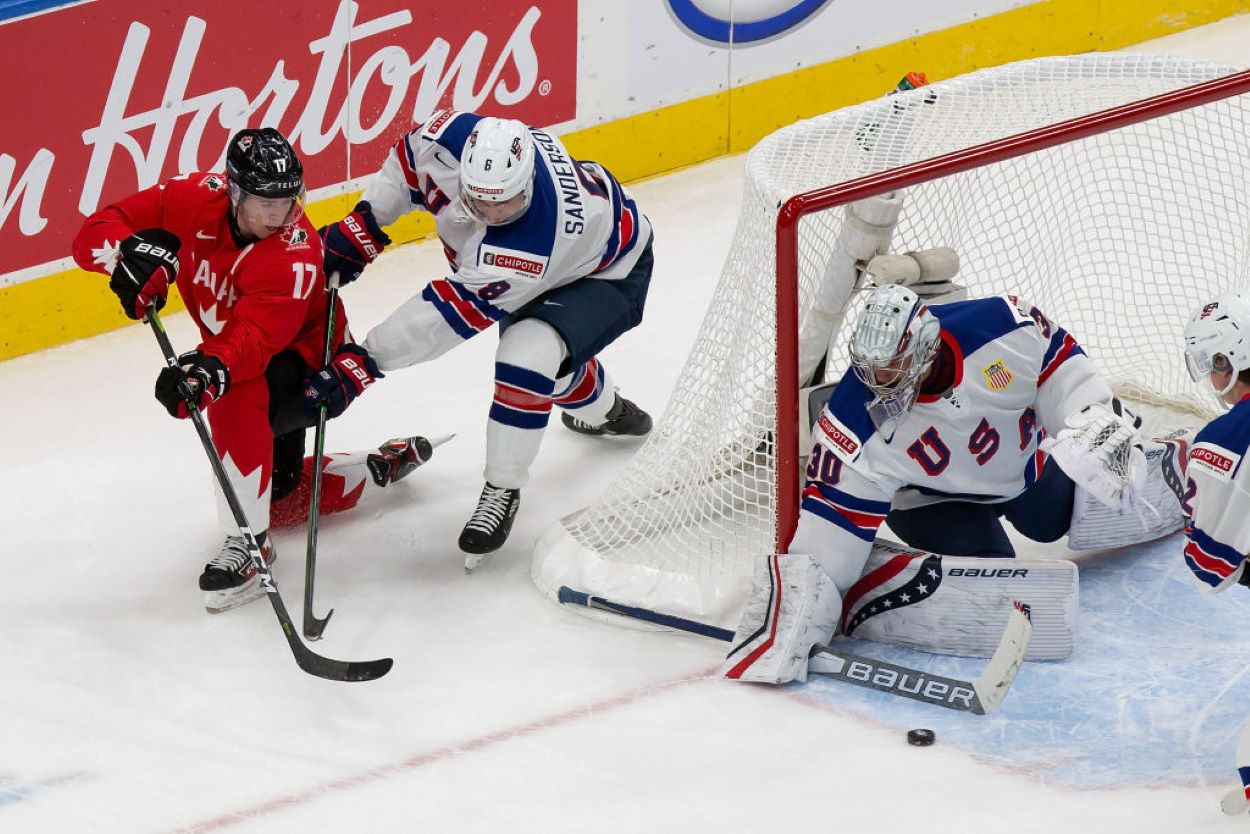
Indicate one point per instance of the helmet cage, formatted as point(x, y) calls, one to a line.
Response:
point(891, 349)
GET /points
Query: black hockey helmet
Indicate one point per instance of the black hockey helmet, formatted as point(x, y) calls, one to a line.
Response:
point(262, 162)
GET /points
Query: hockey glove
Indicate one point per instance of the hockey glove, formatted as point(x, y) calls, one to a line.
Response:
point(1100, 451)
point(198, 378)
point(353, 243)
point(147, 263)
point(350, 372)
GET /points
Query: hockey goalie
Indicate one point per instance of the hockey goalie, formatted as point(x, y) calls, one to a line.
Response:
point(954, 415)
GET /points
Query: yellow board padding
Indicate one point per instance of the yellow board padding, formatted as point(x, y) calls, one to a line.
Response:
point(75, 304)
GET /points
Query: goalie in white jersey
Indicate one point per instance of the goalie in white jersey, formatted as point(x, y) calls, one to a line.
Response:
point(938, 428)
point(553, 249)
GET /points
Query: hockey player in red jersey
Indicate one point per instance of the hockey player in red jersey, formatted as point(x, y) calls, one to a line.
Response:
point(248, 264)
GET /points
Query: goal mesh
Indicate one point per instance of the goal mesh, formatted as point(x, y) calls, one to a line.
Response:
point(1117, 236)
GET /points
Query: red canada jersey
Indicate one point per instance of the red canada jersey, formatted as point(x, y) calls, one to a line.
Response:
point(250, 303)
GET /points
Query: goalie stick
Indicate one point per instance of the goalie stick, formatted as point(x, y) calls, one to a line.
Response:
point(308, 660)
point(980, 696)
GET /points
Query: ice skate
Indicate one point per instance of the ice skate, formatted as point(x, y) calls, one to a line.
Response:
point(624, 419)
point(489, 525)
point(397, 459)
point(230, 579)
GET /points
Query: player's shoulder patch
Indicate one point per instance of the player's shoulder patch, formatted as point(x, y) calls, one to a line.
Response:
point(832, 433)
point(1213, 459)
point(438, 122)
point(997, 375)
point(511, 263)
point(212, 183)
point(450, 129)
point(849, 427)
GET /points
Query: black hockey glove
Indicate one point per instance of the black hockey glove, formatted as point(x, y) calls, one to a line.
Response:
point(353, 243)
point(147, 263)
point(349, 373)
point(199, 378)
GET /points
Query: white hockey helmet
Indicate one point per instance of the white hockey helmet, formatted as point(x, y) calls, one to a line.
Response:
point(497, 171)
point(893, 345)
point(1217, 338)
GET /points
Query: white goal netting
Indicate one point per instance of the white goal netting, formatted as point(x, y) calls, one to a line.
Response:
point(1116, 236)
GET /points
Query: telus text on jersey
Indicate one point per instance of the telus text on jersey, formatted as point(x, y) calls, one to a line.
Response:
point(566, 181)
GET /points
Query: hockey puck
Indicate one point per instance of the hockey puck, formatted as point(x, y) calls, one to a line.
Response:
point(921, 738)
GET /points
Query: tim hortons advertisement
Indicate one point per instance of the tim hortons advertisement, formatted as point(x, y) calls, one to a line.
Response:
point(105, 98)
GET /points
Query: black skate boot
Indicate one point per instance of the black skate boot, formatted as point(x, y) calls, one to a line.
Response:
point(624, 418)
point(230, 579)
point(397, 459)
point(490, 524)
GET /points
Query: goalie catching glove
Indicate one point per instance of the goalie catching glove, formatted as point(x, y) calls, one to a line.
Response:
point(1100, 451)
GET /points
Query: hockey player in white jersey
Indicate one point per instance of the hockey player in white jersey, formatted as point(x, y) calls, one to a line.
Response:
point(1216, 492)
point(1216, 500)
point(936, 427)
point(553, 249)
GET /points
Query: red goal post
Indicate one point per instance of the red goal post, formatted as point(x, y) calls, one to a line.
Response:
point(1111, 190)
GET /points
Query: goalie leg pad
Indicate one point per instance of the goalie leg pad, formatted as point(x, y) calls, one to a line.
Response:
point(1155, 512)
point(793, 605)
point(960, 604)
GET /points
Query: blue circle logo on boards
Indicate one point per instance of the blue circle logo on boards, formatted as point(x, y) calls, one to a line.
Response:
point(753, 20)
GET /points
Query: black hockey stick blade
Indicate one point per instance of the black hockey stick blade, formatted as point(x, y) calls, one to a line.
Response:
point(979, 697)
point(353, 671)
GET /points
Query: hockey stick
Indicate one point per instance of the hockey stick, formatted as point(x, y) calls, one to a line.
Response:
point(309, 661)
point(314, 626)
point(568, 596)
point(978, 697)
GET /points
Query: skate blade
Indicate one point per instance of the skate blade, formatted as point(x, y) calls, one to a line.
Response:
point(435, 442)
point(215, 602)
point(473, 561)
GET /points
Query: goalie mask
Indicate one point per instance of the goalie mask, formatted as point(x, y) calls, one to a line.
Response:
point(893, 345)
point(497, 171)
point(1217, 338)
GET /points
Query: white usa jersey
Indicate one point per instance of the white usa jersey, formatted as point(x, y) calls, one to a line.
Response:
point(580, 223)
point(1216, 502)
point(1017, 376)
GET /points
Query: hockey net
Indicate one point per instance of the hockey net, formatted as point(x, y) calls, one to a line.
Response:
point(1109, 190)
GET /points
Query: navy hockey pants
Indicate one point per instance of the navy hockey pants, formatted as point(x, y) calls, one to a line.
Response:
point(1043, 513)
point(590, 313)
